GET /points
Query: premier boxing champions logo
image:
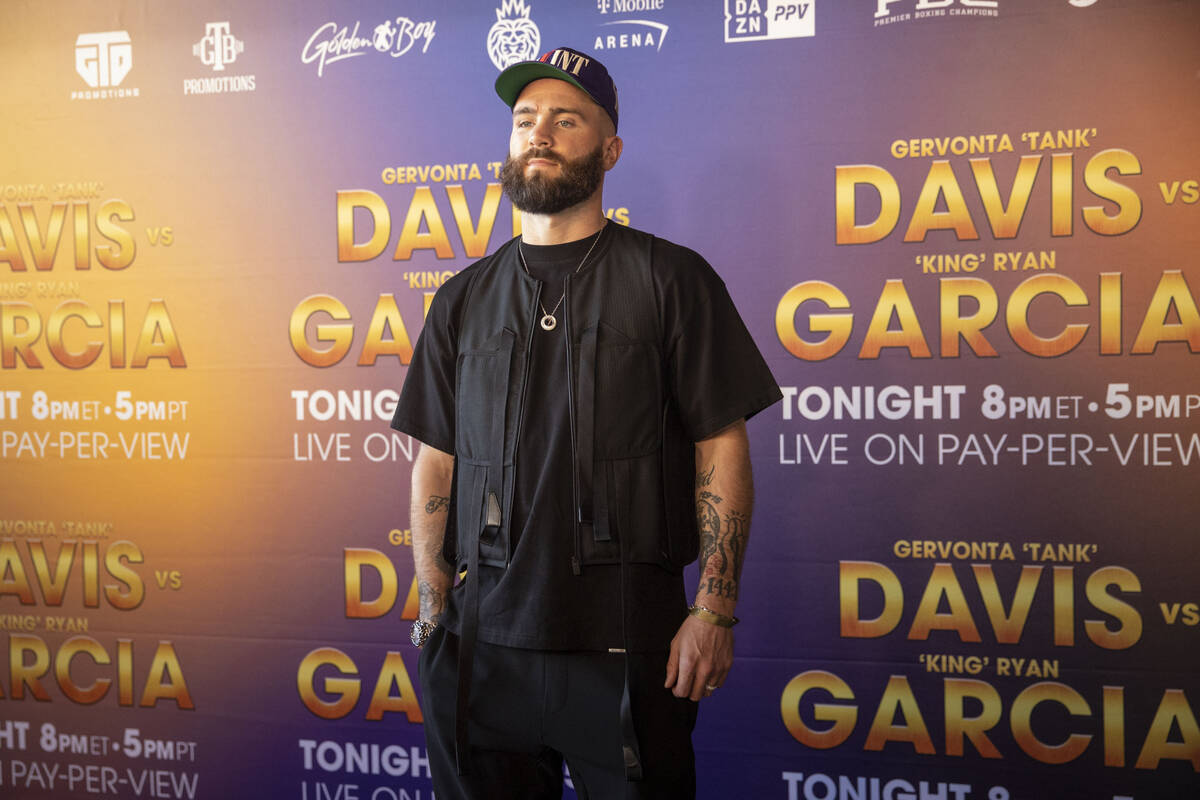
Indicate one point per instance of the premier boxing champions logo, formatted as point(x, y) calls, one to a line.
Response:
point(932, 9)
point(514, 36)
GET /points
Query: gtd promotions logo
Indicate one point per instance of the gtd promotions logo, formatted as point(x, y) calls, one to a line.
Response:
point(103, 60)
point(755, 20)
point(514, 36)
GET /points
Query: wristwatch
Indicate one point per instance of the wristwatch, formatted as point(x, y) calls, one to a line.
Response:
point(421, 629)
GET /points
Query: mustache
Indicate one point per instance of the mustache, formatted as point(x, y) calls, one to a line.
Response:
point(540, 152)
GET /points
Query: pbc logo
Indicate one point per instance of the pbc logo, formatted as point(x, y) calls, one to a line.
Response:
point(755, 20)
point(882, 10)
point(218, 46)
point(103, 59)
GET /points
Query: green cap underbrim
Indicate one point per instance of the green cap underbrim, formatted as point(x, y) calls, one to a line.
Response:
point(510, 82)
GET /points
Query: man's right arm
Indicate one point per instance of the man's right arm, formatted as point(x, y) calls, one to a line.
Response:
point(432, 474)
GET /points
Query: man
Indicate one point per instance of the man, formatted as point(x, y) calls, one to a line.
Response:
point(581, 398)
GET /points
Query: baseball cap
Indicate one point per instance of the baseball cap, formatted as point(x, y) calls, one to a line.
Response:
point(576, 68)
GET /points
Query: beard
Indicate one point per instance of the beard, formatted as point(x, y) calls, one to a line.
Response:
point(541, 194)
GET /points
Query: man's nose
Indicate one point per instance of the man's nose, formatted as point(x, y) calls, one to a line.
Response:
point(539, 134)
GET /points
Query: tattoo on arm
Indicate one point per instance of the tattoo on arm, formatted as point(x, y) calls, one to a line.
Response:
point(432, 602)
point(431, 546)
point(723, 523)
point(433, 555)
point(724, 572)
point(708, 522)
point(722, 540)
point(737, 528)
point(722, 587)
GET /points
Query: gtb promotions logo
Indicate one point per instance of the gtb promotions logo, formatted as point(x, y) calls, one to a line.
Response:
point(103, 60)
point(514, 36)
point(755, 20)
point(929, 9)
point(218, 46)
point(217, 49)
point(395, 37)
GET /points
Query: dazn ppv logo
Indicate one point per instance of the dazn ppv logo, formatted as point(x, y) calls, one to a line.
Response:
point(754, 20)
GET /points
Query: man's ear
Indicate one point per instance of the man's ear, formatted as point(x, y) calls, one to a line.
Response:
point(612, 151)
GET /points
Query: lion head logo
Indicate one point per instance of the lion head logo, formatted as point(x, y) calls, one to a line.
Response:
point(514, 37)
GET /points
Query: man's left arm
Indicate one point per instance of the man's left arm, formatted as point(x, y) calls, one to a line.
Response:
point(702, 650)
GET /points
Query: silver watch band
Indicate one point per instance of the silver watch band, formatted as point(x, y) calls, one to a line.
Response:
point(421, 629)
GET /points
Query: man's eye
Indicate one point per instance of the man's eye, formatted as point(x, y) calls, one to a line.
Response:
point(566, 123)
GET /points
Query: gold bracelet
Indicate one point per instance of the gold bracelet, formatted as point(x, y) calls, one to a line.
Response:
point(708, 615)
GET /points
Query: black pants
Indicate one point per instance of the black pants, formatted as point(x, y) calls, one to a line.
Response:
point(531, 709)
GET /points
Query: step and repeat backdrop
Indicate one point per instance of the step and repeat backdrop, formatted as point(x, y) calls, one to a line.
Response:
point(964, 233)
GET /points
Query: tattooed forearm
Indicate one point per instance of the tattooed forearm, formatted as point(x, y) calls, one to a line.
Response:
point(737, 530)
point(434, 557)
point(724, 500)
point(433, 546)
point(723, 553)
point(432, 601)
point(722, 587)
point(432, 479)
point(708, 522)
point(723, 538)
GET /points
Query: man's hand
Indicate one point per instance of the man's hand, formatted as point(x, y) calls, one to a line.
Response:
point(701, 655)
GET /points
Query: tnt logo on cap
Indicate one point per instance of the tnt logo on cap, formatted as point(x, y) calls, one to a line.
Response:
point(564, 64)
point(566, 60)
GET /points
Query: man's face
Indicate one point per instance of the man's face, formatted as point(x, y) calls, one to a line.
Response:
point(559, 149)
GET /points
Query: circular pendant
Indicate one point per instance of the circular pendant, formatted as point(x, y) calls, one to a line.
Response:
point(549, 323)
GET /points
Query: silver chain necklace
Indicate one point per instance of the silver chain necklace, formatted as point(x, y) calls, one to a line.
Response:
point(549, 321)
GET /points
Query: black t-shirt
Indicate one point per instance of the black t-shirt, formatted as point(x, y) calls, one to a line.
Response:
point(537, 602)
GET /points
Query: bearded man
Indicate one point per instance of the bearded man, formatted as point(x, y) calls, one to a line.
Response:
point(581, 398)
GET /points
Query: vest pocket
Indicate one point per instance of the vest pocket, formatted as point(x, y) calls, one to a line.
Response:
point(478, 517)
point(628, 396)
point(481, 396)
point(630, 511)
point(481, 386)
